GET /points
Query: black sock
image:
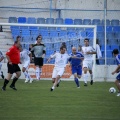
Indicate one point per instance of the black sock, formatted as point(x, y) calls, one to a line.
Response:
point(5, 83)
point(14, 81)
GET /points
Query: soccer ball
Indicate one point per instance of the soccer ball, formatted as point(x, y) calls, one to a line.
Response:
point(112, 90)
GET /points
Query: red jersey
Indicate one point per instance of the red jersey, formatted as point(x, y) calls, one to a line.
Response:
point(14, 54)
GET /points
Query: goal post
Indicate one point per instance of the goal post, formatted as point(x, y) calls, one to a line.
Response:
point(73, 35)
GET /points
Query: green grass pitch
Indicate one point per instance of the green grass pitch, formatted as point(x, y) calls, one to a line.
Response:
point(67, 102)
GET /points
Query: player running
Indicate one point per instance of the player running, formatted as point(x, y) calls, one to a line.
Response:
point(88, 52)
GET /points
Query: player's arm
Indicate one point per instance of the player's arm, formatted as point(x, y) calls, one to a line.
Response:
point(2, 57)
point(51, 57)
point(44, 52)
point(116, 70)
point(92, 51)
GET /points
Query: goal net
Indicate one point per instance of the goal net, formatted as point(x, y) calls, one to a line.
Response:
point(53, 36)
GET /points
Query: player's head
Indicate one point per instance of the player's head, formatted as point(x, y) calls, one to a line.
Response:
point(62, 49)
point(115, 52)
point(74, 50)
point(39, 39)
point(86, 42)
point(18, 38)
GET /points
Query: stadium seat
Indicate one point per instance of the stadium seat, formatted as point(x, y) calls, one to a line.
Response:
point(90, 34)
point(87, 22)
point(117, 35)
point(81, 34)
point(21, 19)
point(110, 35)
point(53, 34)
point(63, 33)
point(50, 21)
point(107, 22)
point(68, 21)
point(109, 29)
point(72, 35)
point(110, 61)
point(31, 20)
point(115, 22)
point(100, 28)
point(108, 47)
point(12, 20)
point(112, 42)
point(96, 22)
point(25, 33)
point(59, 21)
point(116, 28)
point(77, 21)
point(115, 47)
point(40, 20)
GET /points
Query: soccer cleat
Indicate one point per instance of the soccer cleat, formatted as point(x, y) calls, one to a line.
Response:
point(78, 87)
point(13, 87)
point(91, 82)
point(3, 89)
point(2, 75)
point(31, 80)
point(85, 84)
point(26, 80)
point(51, 89)
point(57, 85)
point(118, 94)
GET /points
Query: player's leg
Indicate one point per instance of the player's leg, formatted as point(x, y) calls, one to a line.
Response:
point(36, 61)
point(40, 66)
point(9, 75)
point(25, 73)
point(90, 65)
point(1, 72)
point(117, 83)
point(54, 75)
point(85, 69)
point(79, 72)
point(18, 74)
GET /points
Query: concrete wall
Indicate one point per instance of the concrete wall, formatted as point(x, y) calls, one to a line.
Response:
point(80, 5)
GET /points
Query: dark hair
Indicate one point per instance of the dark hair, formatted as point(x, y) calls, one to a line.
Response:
point(86, 39)
point(39, 36)
point(18, 37)
point(115, 51)
point(16, 41)
point(62, 47)
point(97, 41)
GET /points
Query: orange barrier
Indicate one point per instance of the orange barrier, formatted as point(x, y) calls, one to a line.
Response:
point(47, 71)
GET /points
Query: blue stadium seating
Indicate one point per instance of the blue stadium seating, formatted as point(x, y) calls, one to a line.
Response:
point(40, 20)
point(115, 47)
point(100, 29)
point(12, 20)
point(77, 21)
point(21, 19)
point(114, 22)
point(107, 22)
point(53, 34)
point(110, 35)
point(49, 20)
point(31, 20)
point(86, 21)
point(59, 21)
point(96, 22)
point(108, 28)
point(68, 21)
point(116, 28)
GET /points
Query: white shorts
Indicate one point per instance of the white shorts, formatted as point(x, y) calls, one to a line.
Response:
point(26, 64)
point(88, 64)
point(58, 71)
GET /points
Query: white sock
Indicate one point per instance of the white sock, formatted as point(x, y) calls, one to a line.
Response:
point(59, 80)
point(26, 74)
point(29, 76)
point(37, 72)
point(53, 87)
point(91, 75)
point(85, 78)
point(40, 70)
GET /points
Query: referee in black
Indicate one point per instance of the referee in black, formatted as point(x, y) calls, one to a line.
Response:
point(39, 50)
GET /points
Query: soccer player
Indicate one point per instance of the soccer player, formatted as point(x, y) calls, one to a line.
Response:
point(1, 58)
point(39, 50)
point(25, 58)
point(60, 64)
point(117, 70)
point(13, 57)
point(88, 51)
point(75, 62)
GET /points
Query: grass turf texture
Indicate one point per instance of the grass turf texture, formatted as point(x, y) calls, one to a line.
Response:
point(36, 102)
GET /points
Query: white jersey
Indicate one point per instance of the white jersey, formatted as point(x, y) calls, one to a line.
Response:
point(88, 49)
point(60, 59)
point(1, 54)
point(24, 56)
